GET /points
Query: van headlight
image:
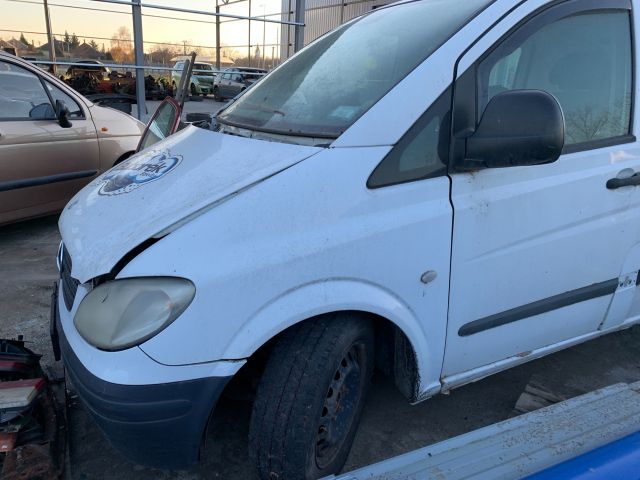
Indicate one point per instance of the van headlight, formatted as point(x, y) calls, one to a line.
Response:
point(124, 313)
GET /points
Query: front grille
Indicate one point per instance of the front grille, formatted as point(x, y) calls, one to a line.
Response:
point(69, 284)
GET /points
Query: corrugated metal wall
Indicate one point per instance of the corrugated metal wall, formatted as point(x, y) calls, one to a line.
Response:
point(322, 16)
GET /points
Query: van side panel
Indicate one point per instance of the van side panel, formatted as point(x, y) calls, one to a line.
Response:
point(326, 244)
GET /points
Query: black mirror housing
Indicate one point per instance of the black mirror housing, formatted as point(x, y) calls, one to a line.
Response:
point(62, 112)
point(518, 128)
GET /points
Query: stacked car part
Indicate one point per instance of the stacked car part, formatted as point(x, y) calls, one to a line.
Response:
point(32, 441)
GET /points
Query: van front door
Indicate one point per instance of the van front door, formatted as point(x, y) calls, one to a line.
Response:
point(538, 252)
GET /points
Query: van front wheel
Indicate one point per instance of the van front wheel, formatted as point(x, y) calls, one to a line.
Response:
point(310, 398)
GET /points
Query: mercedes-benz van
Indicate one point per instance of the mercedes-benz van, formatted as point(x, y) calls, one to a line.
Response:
point(440, 190)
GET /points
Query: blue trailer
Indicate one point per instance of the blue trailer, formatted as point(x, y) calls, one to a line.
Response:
point(592, 437)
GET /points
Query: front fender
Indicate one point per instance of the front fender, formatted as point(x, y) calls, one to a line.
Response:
point(333, 295)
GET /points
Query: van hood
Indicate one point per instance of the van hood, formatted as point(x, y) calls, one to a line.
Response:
point(161, 187)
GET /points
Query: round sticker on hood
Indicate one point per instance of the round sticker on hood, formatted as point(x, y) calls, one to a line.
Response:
point(137, 171)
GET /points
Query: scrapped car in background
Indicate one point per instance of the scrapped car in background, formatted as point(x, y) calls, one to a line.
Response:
point(201, 81)
point(53, 141)
point(91, 66)
point(233, 81)
point(440, 203)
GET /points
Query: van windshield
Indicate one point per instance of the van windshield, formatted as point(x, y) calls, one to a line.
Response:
point(324, 89)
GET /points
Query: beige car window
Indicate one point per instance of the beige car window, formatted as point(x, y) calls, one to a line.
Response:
point(22, 96)
point(56, 94)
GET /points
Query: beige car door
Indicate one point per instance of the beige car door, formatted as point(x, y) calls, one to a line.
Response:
point(42, 164)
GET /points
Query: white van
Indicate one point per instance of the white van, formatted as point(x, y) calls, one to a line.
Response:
point(438, 189)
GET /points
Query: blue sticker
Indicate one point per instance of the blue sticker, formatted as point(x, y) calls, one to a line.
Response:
point(137, 171)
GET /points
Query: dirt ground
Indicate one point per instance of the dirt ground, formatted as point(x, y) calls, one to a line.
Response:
point(389, 426)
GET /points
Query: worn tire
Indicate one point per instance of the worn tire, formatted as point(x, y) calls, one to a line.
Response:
point(216, 95)
point(301, 429)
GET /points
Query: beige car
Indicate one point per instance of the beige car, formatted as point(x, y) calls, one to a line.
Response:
point(53, 141)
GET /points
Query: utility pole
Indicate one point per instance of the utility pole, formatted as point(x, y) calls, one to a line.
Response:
point(299, 36)
point(138, 44)
point(249, 42)
point(264, 35)
point(217, 36)
point(289, 12)
point(52, 42)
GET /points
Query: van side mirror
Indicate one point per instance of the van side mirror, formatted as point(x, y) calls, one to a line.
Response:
point(518, 128)
point(62, 112)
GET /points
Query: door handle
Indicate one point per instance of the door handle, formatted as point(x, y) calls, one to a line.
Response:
point(632, 181)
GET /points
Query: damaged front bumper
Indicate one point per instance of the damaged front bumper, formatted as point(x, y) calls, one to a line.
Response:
point(159, 425)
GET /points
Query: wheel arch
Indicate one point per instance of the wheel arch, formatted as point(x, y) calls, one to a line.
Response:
point(402, 349)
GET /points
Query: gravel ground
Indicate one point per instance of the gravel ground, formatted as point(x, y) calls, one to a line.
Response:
point(389, 426)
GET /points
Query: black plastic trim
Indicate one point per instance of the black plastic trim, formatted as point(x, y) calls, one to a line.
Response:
point(541, 306)
point(23, 119)
point(596, 144)
point(160, 425)
point(53, 327)
point(39, 181)
point(52, 119)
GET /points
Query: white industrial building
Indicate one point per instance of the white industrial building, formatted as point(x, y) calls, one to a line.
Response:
point(322, 16)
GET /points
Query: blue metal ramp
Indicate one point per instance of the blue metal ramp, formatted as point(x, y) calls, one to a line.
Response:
point(578, 431)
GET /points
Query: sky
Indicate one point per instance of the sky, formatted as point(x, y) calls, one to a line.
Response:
point(177, 28)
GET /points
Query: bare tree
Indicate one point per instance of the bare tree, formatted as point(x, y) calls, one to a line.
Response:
point(163, 54)
point(121, 47)
point(589, 123)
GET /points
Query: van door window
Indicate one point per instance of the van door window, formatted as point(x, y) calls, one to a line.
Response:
point(422, 153)
point(583, 60)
